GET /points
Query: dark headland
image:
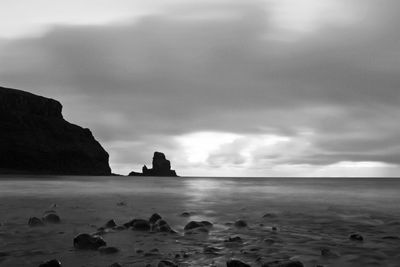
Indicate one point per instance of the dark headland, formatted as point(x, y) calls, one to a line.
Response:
point(161, 167)
point(35, 139)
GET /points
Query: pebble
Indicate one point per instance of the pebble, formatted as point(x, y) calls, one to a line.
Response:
point(51, 263)
point(236, 263)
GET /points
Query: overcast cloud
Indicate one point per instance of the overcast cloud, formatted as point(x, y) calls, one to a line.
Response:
point(264, 88)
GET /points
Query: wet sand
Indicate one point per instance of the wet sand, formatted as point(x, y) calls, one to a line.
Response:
point(286, 220)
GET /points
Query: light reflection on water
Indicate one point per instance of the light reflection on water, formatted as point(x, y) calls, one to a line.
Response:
point(379, 193)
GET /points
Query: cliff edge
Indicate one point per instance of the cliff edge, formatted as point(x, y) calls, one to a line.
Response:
point(35, 138)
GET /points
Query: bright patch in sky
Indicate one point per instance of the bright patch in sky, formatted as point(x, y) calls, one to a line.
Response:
point(293, 17)
point(198, 146)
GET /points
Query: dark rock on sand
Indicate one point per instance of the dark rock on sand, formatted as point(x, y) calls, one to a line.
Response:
point(194, 224)
point(284, 263)
point(240, 223)
point(269, 215)
point(35, 221)
point(154, 218)
point(87, 241)
point(161, 167)
point(35, 138)
point(51, 217)
point(167, 263)
point(326, 252)
point(140, 225)
point(356, 237)
point(236, 263)
point(109, 224)
point(115, 264)
point(162, 226)
point(51, 263)
point(108, 250)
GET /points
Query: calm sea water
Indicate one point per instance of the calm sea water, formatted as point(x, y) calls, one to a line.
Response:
point(310, 213)
point(381, 194)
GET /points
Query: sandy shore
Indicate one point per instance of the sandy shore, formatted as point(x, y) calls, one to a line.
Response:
point(276, 230)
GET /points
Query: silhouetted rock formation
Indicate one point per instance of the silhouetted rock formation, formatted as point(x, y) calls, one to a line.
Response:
point(35, 138)
point(161, 167)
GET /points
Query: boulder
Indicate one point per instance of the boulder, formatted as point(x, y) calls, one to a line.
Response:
point(154, 218)
point(140, 225)
point(240, 223)
point(109, 224)
point(326, 252)
point(89, 242)
point(167, 263)
point(50, 217)
point(34, 221)
point(356, 237)
point(161, 167)
point(51, 263)
point(35, 138)
point(236, 263)
point(195, 224)
point(162, 226)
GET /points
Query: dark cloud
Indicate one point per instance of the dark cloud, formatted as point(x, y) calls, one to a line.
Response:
point(171, 75)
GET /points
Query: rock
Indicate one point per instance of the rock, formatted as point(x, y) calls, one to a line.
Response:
point(356, 237)
point(51, 218)
point(108, 250)
point(140, 225)
point(185, 214)
point(284, 263)
point(115, 264)
point(326, 252)
point(110, 224)
point(35, 138)
point(240, 223)
point(167, 263)
point(162, 226)
point(194, 224)
point(161, 167)
point(87, 241)
point(154, 218)
point(269, 215)
point(51, 263)
point(236, 263)
point(119, 228)
point(34, 221)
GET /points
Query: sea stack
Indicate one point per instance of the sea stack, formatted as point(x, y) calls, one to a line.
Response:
point(161, 167)
point(35, 139)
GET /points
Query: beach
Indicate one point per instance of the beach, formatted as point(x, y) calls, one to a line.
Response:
point(304, 219)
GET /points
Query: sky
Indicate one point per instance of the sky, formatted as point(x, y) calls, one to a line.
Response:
point(222, 87)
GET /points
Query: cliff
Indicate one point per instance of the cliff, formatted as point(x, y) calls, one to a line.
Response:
point(35, 138)
point(161, 167)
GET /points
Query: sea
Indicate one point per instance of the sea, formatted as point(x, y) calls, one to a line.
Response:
point(301, 215)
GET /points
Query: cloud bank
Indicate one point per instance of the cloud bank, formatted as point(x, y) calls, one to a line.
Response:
point(254, 88)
